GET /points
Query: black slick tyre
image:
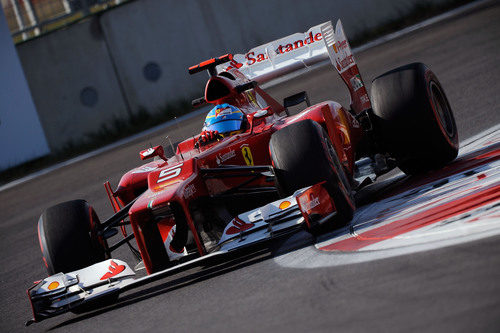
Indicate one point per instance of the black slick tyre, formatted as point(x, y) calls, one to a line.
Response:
point(413, 118)
point(68, 237)
point(303, 155)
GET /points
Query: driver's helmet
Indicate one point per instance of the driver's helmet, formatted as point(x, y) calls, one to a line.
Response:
point(225, 119)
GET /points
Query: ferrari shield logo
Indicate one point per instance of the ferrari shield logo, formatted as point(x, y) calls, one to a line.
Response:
point(247, 154)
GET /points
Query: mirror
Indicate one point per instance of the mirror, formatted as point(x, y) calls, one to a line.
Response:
point(152, 152)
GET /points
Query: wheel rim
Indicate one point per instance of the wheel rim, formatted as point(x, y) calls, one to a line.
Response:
point(442, 109)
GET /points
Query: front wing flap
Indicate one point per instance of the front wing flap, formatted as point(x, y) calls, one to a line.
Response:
point(309, 206)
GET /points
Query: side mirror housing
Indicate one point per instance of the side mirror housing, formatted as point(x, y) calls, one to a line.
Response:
point(152, 152)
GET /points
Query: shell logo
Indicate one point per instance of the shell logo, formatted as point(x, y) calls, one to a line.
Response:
point(53, 285)
point(285, 205)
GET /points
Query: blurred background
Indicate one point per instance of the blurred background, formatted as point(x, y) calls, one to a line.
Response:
point(29, 18)
point(78, 74)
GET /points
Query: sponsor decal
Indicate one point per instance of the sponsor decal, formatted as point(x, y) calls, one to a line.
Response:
point(189, 191)
point(314, 202)
point(153, 195)
point(114, 269)
point(356, 82)
point(293, 43)
point(247, 154)
point(53, 285)
point(342, 51)
point(253, 58)
point(364, 98)
point(284, 205)
point(221, 158)
point(344, 63)
point(340, 45)
point(238, 226)
point(234, 64)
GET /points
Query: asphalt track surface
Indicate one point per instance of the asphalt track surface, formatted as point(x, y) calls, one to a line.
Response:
point(454, 288)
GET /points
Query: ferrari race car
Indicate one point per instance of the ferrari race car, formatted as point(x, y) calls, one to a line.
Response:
point(268, 174)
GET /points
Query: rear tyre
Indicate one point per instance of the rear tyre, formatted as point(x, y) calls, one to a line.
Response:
point(68, 237)
point(413, 118)
point(303, 155)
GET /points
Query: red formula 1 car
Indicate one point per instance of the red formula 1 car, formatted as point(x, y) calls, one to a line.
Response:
point(264, 173)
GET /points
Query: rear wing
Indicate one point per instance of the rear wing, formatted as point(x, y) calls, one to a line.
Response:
point(301, 50)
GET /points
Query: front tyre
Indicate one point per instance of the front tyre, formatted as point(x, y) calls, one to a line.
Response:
point(303, 155)
point(68, 237)
point(413, 118)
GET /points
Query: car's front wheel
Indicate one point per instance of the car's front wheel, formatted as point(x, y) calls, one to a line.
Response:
point(303, 155)
point(68, 237)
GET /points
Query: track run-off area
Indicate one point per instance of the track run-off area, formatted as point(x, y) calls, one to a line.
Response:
point(459, 203)
point(421, 254)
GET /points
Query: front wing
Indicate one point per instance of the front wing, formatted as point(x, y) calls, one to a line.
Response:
point(65, 292)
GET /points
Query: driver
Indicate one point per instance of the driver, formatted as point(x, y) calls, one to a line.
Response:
point(223, 120)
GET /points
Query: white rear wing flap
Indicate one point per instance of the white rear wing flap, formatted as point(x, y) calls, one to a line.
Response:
point(301, 50)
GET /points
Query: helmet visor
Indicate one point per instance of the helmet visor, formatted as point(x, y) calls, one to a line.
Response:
point(225, 126)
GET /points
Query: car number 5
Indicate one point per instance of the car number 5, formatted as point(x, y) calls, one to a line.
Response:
point(169, 173)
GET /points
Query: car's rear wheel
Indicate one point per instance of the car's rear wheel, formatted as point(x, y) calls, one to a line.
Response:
point(68, 237)
point(303, 155)
point(413, 118)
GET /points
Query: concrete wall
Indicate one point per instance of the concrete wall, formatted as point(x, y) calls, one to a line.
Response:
point(177, 34)
point(21, 135)
point(73, 82)
point(146, 47)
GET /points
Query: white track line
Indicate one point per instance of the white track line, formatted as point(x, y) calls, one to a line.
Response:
point(478, 136)
point(376, 42)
